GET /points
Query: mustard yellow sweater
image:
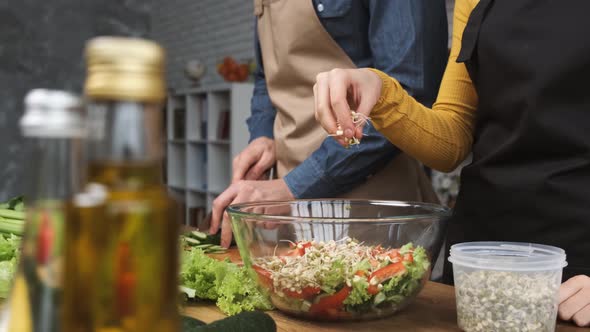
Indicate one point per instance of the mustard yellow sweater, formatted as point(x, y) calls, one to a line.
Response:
point(440, 137)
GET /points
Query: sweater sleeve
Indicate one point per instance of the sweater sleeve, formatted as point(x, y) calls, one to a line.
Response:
point(440, 137)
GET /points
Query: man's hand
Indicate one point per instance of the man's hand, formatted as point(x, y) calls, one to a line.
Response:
point(574, 300)
point(255, 160)
point(241, 192)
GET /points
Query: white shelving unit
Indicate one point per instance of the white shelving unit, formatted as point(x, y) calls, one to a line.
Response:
point(206, 128)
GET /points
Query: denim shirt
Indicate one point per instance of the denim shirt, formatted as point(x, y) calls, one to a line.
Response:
point(406, 39)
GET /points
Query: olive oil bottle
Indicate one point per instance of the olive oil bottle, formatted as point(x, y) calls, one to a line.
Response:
point(54, 127)
point(122, 242)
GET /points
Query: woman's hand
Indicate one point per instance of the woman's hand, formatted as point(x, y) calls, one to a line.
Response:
point(574, 300)
point(339, 91)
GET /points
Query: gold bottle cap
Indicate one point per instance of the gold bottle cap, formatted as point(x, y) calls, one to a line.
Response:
point(125, 69)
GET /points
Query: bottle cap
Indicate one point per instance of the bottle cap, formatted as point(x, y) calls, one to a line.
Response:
point(127, 69)
point(52, 113)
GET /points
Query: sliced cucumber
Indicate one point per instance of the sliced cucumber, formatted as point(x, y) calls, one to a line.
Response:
point(192, 241)
point(199, 235)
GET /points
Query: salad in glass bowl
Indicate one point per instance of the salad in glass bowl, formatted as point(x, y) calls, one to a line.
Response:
point(339, 260)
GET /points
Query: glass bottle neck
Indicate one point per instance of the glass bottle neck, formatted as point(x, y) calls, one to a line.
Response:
point(125, 143)
point(59, 168)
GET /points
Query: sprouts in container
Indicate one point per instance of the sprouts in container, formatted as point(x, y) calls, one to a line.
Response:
point(506, 287)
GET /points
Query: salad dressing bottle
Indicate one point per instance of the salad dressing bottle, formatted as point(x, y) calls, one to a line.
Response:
point(54, 125)
point(122, 244)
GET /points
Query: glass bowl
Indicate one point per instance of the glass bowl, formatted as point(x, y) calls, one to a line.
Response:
point(339, 259)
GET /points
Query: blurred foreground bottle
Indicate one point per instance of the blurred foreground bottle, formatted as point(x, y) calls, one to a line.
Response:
point(54, 126)
point(121, 246)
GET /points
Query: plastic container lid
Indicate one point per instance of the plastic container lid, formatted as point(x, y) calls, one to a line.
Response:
point(508, 256)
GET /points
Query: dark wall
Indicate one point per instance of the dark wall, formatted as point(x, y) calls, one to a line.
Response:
point(41, 46)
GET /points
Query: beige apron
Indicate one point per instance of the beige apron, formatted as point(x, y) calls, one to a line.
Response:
point(295, 48)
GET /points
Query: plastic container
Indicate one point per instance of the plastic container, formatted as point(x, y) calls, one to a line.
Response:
point(307, 254)
point(507, 286)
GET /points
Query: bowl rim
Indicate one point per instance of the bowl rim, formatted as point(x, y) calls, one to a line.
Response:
point(438, 211)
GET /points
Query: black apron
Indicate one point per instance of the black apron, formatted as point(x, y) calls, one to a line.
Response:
point(530, 176)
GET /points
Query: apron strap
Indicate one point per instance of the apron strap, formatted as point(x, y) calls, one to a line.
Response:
point(471, 32)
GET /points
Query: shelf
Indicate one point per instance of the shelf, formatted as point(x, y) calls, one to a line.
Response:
point(220, 141)
point(196, 117)
point(197, 141)
point(218, 168)
point(196, 167)
point(218, 117)
point(176, 155)
point(206, 128)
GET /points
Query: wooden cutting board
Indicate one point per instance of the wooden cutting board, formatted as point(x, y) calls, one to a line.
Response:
point(434, 310)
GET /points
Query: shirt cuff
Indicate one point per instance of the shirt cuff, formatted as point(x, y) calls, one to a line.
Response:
point(261, 126)
point(308, 181)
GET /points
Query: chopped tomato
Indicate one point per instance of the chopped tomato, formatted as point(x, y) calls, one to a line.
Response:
point(383, 274)
point(306, 293)
point(329, 303)
point(264, 276)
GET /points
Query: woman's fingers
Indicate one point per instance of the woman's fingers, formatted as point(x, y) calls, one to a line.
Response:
point(339, 82)
point(574, 300)
point(323, 110)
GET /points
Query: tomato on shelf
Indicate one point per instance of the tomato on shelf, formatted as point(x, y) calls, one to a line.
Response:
point(232, 71)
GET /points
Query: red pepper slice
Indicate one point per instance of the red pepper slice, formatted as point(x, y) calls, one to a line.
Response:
point(45, 237)
point(264, 276)
point(383, 274)
point(394, 253)
point(330, 303)
point(299, 249)
point(409, 257)
point(306, 293)
point(126, 280)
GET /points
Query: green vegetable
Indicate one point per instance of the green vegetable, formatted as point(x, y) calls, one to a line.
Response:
point(209, 243)
point(255, 321)
point(334, 277)
point(7, 271)
point(203, 274)
point(222, 281)
point(16, 204)
point(239, 292)
point(8, 247)
point(12, 214)
point(12, 217)
point(402, 286)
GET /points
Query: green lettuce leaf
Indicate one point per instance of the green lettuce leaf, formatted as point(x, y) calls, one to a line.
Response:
point(359, 293)
point(334, 277)
point(8, 247)
point(400, 287)
point(239, 292)
point(7, 272)
point(230, 285)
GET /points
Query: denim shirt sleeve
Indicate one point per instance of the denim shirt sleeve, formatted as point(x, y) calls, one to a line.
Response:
point(262, 117)
point(395, 37)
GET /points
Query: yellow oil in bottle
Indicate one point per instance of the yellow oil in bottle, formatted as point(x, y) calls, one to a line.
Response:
point(121, 254)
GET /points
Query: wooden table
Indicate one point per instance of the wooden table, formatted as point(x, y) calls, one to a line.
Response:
point(433, 311)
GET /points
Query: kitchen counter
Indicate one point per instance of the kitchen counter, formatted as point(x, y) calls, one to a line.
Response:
point(434, 310)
